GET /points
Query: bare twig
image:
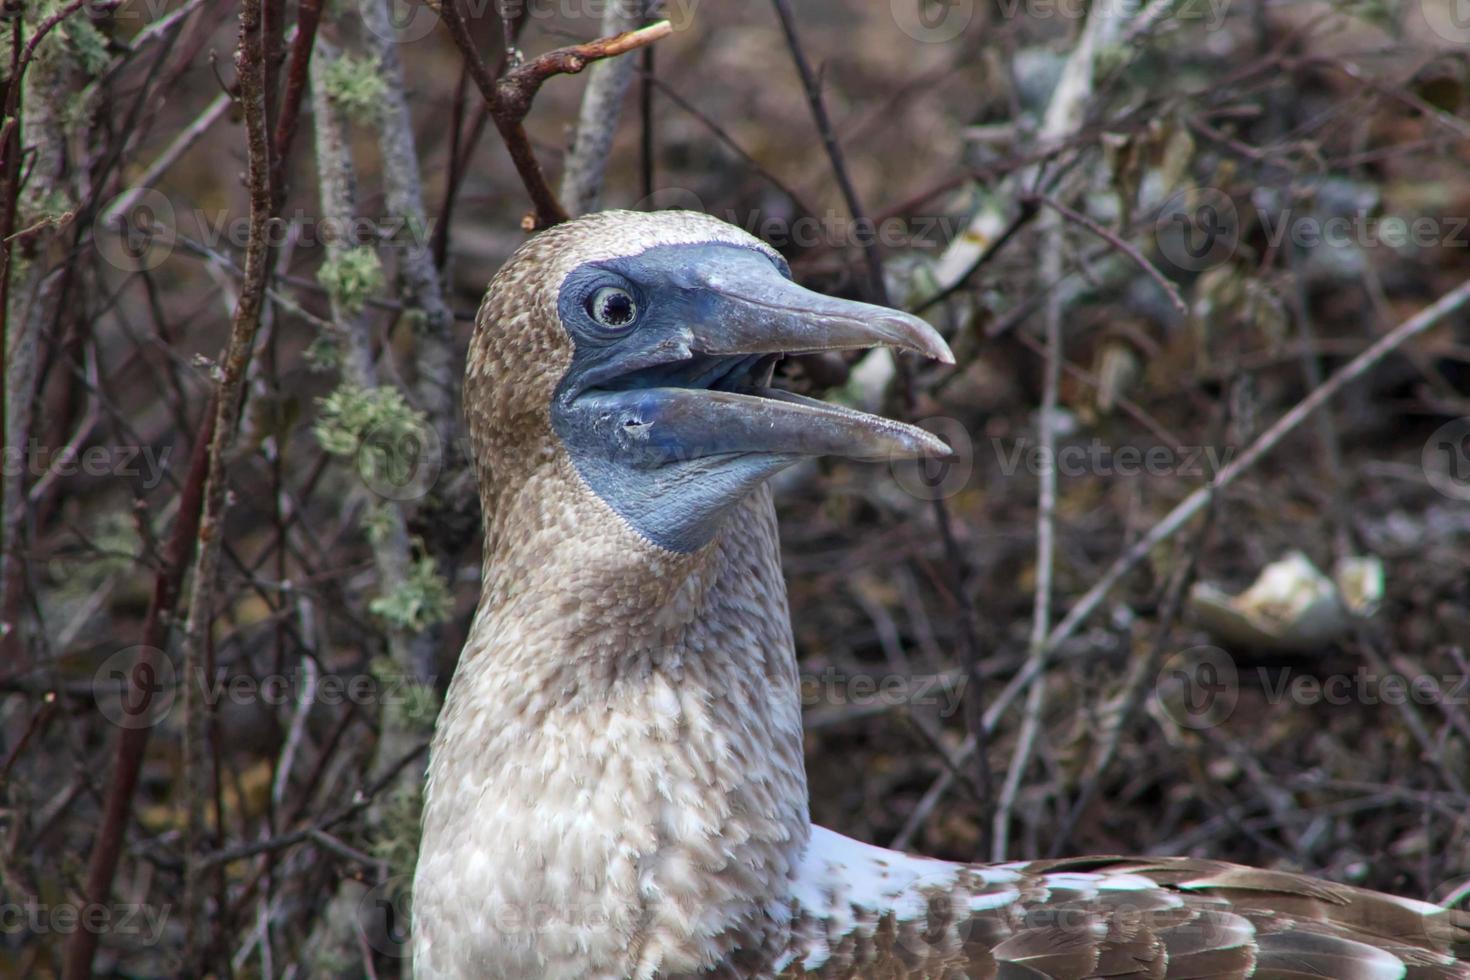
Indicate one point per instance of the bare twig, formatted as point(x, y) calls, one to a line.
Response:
point(1046, 506)
point(1130, 250)
point(462, 144)
point(721, 134)
point(1064, 116)
point(421, 288)
point(877, 288)
point(597, 120)
point(412, 652)
point(510, 97)
point(309, 15)
point(251, 67)
point(131, 742)
point(167, 157)
point(1143, 671)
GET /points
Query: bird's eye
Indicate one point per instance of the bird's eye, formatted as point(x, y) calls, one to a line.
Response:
point(612, 307)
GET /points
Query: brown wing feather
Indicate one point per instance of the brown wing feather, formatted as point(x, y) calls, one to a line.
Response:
point(1160, 919)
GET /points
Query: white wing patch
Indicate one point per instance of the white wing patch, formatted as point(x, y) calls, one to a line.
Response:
point(838, 878)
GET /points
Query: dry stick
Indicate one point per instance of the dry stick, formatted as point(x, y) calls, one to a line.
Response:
point(878, 289)
point(1151, 270)
point(308, 17)
point(462, 150)
point(974, 693)
point(721, 134)
point(509, 98)
point(1144, 669)
point(1192, 505)
point(360, 801)
point(18, 351)
point(177, 147)
point(646, 141)
point(1023, 217)
point(597, 119)
point(420, 286)
point(1046, 508)
point(411, 652)
point(131, 742)
point(251, 67)
point(974, 688)
point(1064, 116)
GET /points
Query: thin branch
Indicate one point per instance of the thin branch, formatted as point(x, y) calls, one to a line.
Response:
point(721, 134)
point(878, 289)
point(167, 157)
point(133, 741)
point(250, 64)
point(597, 119)
point(1139, 259)
point(308, 16)
point(1046, 507)
point(510, 97)
point(421, 289)
point(1064, 116)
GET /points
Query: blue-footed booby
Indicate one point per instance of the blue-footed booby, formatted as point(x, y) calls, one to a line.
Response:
point(616, 785)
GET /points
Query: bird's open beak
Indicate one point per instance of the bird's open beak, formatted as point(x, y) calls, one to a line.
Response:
point(716, 400)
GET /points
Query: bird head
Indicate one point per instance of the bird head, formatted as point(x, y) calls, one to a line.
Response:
point(642, 347)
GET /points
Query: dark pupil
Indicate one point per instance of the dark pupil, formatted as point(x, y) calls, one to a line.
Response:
point(617, 309)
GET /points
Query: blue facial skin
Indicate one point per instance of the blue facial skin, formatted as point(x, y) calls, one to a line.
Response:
point(612, 410)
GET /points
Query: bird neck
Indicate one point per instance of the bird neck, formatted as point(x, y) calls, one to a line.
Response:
point(620, 747)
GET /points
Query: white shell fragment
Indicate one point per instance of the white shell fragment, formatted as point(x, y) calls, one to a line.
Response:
point(1292, 607)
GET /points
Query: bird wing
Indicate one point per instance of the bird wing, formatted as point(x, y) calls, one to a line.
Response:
point(860, 911)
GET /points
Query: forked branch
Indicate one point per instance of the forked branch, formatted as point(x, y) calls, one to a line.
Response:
point(510, 96)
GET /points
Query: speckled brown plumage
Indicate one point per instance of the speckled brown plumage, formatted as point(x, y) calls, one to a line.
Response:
point(616, 783)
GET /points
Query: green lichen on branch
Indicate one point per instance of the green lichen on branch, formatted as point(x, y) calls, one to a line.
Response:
point(419, 602)
point(356, 86)
point(378, 429)
point(75, 38)
point(351, 276)
point(410, 703)
point(351, 414)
